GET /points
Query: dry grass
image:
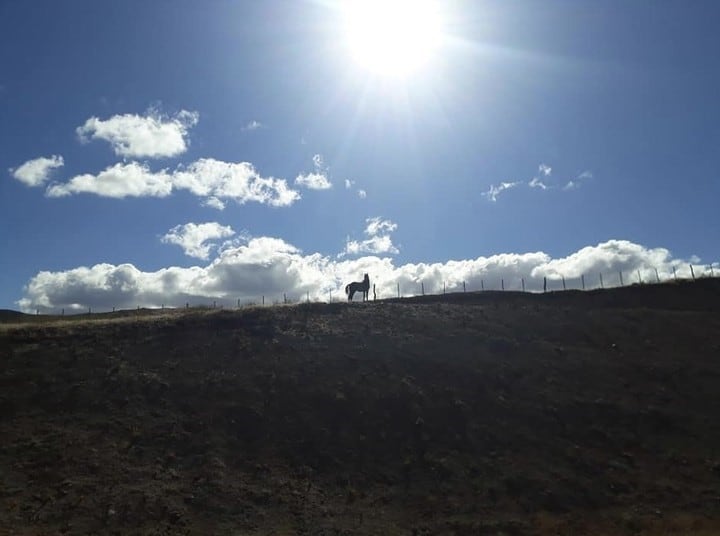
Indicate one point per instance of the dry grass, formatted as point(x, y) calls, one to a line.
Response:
point(492, 413)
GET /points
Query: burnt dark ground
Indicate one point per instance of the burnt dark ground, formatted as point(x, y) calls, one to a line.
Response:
point(490, 413)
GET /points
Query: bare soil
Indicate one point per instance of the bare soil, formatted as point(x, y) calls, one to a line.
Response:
point(480, 413)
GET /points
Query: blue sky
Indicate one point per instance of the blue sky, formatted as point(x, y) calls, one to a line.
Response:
point(537, 139)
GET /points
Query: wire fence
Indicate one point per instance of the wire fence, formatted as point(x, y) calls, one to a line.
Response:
point(404, 287)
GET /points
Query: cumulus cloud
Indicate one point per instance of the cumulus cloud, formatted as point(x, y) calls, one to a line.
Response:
point(362, 194)
point(545, 170)
point(378, 226)
point(317, 180)
point(375, 245)
point(378, 242)
point(313, 181)
point(214, 202)
point(118, 181)
point(210, 179)
point(270, 267)
point(36, 172)
point(195, 238)
point(494, 191)
point(152, 135)
point(349, 183)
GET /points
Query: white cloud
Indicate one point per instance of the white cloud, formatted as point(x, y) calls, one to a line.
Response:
point(152, 135)
point(270, 267)
point(313, 181)
point(578, 181)
point(119, 181)
point(349, 183)
point(210, 179)
point(362, 194)
point(318, 180)
point(494, 191)
point(379, 241)
point(539, 182)
point(36, 172)
point(378, 226)
point(214, 202)
point(195, 238)
point(375, 245)
point(253, 125)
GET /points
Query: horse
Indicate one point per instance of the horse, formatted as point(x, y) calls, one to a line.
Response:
point(358, 286)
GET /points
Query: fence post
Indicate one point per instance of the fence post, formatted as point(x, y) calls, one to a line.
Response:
point(545, 284)
point(62, 313)
point(674, 274)
point(502, 284)
point(657, 275)
point(398, 289)
point(564, 287)
point(692, 272)
point(582, 278)
point(602, 285)
point(463, 286)
point(37, 311)
point(444, 287)
point(622, 283)
point(639, 277)
point(284, 298)
point(308, 296)
point(482, 285)
point(523, 283)
point(422, 288)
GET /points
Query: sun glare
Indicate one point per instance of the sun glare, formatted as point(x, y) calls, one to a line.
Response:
point(393, 38)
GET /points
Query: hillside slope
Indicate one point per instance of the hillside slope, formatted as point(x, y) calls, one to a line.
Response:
point(488, 413)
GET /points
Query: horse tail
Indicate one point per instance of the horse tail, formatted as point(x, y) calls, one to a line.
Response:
point(347, 289)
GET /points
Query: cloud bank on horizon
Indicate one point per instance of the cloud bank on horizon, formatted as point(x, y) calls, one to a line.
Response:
point(249, 269)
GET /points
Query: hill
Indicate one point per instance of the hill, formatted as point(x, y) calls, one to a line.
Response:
point(479, 413)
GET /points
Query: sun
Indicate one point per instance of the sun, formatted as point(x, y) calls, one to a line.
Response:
point(393, 38)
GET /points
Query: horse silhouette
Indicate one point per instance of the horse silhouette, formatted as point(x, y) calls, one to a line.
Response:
point(358, 286)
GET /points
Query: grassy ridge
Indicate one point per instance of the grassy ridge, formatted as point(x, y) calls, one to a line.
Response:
point(478, 413)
